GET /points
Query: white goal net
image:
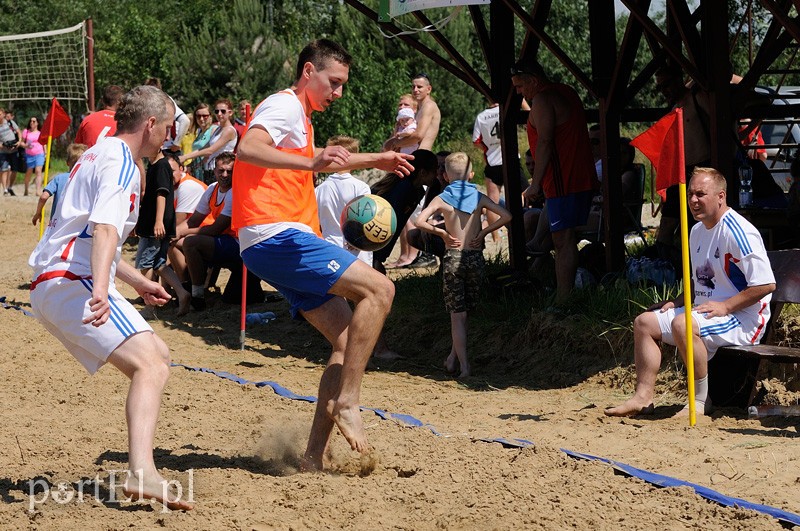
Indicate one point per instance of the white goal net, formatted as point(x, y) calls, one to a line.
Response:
point(41, 66)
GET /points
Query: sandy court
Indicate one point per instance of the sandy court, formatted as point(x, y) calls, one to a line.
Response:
point(236, 446)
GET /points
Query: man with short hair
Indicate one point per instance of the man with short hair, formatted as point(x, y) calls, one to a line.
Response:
point(240, 122)
point(9, 143)
point(428, 118)
point(206, 238)
point(73, 293)
point(100, 124)
point(564, 171)
point(732, 281)
point(275, 212)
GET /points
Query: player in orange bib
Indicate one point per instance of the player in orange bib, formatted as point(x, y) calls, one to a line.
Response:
point(275, 214)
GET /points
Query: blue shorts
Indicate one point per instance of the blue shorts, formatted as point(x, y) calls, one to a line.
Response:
point(569, 211)
point(32, 161)
point(302, 266)
point(152, 253)
point(226, 250)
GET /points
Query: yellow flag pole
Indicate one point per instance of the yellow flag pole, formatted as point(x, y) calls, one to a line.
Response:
point(687, 276)
point(47, 163)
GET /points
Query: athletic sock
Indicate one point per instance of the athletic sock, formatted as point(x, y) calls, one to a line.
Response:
point(198, 291)
point(701, 392)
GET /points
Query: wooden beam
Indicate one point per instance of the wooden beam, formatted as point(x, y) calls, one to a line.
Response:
point(551, 45)
point(666, 44)
point(483, 36)
point(442, 41)
point(781, 14)
point(775, 41)
point(687, 28)
point(483, 88)
point(539, 13)
point(629, 48)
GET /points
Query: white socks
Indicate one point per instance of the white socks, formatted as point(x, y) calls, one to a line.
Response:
point(701, 393)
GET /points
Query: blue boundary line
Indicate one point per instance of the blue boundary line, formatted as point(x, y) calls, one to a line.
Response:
point(650, 477)
point(658, 480)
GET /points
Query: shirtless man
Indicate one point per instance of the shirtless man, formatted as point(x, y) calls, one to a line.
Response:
point(461, 205)
point(73, 293)
point(428, 118)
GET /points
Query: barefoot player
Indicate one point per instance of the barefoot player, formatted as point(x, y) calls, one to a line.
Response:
point(75, 264)
point(275, 213)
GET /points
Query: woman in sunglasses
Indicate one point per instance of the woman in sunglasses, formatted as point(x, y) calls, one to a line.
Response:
point(200, 131)
point(222, 139)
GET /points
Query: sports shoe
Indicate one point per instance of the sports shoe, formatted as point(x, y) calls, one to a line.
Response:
point(423, 259)
point(11, 192)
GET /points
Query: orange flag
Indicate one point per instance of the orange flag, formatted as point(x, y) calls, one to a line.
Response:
point(663, 145)
point(55, 124)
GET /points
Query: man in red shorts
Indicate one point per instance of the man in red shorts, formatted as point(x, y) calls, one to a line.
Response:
point(564, 171)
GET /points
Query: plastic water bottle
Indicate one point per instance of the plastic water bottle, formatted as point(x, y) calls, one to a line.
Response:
point(259, 318)
point(756, 412)
point(745, 185)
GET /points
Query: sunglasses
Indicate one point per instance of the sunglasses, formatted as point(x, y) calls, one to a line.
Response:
point(203, 115)
point(220, 111)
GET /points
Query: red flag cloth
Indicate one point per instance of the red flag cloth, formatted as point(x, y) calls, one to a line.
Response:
point(55, 124)
point(663, 145)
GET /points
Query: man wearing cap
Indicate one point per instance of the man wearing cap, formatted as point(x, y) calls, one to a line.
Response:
point(564, 170)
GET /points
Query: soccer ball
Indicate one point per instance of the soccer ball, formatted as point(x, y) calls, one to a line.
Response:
point(368, 222)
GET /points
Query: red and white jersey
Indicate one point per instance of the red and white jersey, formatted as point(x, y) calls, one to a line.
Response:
point(726, 259)
point(487, 133)
point(103, 188)
point(188, 193)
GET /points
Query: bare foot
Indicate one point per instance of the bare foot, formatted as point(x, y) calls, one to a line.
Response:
point(464, 372)
point(450, 363)
point(348, 420)
point(155, 488)
point(184, 300)
point(631, 407)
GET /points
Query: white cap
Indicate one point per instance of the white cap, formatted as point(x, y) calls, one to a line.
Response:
point(405, 112)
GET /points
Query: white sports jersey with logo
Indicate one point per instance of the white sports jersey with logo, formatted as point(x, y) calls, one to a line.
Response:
point(103, 188)
point(726, 259)
point(487, 132)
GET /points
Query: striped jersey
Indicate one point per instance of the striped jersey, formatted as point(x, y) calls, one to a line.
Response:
point(103, 188)
point(728, 258)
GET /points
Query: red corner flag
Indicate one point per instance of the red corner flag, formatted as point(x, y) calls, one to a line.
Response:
point(56, 123)
point(663, 145)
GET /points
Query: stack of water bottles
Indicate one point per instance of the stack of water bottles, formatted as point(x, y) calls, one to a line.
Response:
point(259, 318)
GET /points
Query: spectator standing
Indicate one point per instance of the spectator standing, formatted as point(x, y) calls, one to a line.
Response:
point(202, 128)
point(461, 205)
point(156, 227)
point(101, 124)
point(56, 185)
point(10, 141)
point(240, 123)
point(428, 118)
point(564, 170)
point(223, 139)
point(34, 154)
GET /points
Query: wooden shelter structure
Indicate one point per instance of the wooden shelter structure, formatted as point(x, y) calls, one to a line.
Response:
point(696, 37)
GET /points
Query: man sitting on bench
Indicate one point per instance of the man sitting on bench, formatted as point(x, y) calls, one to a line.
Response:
point(206, 237)
point(732, 281)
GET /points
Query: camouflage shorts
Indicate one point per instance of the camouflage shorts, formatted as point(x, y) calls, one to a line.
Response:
point(463, 272)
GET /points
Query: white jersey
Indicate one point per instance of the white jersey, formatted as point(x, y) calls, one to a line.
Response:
point(332, 196)
point(103, 188)
point(188, 194)
point(487, 132)
point(726, 259)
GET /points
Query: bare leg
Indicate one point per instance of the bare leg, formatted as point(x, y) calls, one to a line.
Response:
point(27, 180)
point(177, 260)
point(407, 252)
point(493, 192)
point(458, 329)
point(184, 297)
point(566, 262)
point(144, 359)
point(38, 181)
point(372, 294)
point(647, 356)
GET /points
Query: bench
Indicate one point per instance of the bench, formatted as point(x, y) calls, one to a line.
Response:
point(737, 369)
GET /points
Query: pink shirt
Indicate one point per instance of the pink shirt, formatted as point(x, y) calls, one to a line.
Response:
point(32, 138)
